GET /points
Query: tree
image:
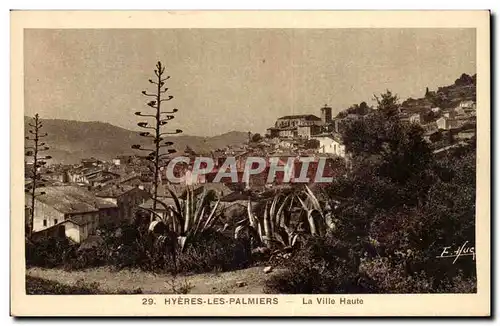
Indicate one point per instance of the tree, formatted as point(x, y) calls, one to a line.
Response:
point(360, 109)
point(397, 151)
point(435, 137)
point(388, 104)
point(161, 119)
point(312, 144)
point(34, 151)
point(464, 80)
point(256, 138)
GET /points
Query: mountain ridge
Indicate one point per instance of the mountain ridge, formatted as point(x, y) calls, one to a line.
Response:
point(72, 140)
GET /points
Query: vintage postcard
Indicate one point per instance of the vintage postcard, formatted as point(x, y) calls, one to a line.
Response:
point(246, 163)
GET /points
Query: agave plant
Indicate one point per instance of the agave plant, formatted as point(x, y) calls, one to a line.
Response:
point(319, 218)
point(274, 229)
point(188, 217)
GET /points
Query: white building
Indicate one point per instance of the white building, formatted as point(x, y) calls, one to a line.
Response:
point(75, 208)
point(446, 123)
point(415, 118)
point(329, 144)
point(469, 104)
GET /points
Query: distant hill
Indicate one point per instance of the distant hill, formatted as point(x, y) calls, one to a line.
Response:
point(70, 140)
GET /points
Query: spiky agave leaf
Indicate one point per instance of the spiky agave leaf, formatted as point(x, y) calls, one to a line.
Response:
point(282, 237)
point(330, 223)
point(238, 230)
point(211, 217)
point(250, 214)
point(181, 241)
point(267, 224)
point(246, 228)
point(200, 204)
point(314, 200)
point(200, 219)
point(187, 209)
point(280, 214)
point(294, 240)
point(272, 211)
point(315, 222)
point(178, 207)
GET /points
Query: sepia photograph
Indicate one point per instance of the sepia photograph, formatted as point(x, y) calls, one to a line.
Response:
point(251, 163)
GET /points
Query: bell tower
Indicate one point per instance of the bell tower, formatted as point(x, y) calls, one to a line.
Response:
point(326, 114)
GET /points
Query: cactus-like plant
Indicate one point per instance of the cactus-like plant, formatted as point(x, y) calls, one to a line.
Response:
point(273, 229)
point(188, 217)
point(319, 219)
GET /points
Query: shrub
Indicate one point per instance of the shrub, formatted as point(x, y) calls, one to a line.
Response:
point(87, 258)
point(321, 265)
point(212, 251)
point(392, 277)
point(48, 252)
point(36, 285)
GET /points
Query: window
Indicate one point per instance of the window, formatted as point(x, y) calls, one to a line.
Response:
point(44, 222)
point(55, 221)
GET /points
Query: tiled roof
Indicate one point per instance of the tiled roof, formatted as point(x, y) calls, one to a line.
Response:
point(178, 189)
point(114, 191)
point(70, 199)
point(310, 117)
point(221, 189)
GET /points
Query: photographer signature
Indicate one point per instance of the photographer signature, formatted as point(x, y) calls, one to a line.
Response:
point(464, 250)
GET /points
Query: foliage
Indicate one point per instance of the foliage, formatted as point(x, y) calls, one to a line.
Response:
point(404, 206)
point(271, 229)
point(49, 252)
point(465, 80)
point(211, 251)
point(275, 228)
point(36, 285)
point(87, 258)
point(358, 109)
point(388, 104)
point(321, 265)
point(319, 219)
point(312, 144)
point(256, 138)
point(189, 217)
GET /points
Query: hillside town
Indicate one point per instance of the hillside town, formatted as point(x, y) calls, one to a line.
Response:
point(76, 200)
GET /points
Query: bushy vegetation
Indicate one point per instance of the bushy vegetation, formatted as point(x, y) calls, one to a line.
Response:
point(131, 247)
point(321, 265)
point(378, 228)
point(212, 251)
point(36, 285)
point(49, 252)
point(402, 207)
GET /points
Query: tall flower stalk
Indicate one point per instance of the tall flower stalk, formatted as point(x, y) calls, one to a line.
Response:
point(35, 149)
point(160, 119)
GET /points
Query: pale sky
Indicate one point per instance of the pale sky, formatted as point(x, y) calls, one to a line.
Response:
point(234, 79)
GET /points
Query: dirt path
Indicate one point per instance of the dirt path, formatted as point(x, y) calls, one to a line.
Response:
point(209, 283)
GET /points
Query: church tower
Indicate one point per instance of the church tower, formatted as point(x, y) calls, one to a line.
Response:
point(326, 114)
